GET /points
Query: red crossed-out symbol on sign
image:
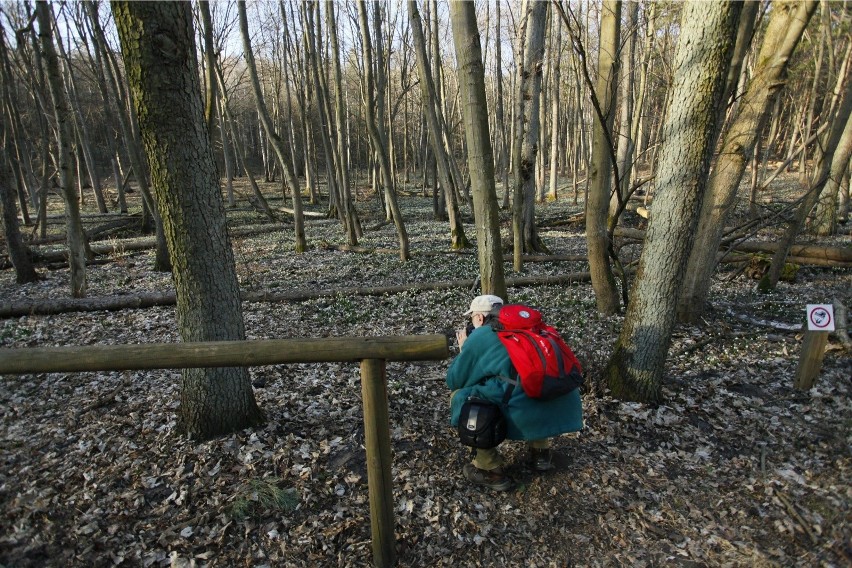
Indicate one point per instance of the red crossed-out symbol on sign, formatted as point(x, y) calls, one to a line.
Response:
point(820, 317)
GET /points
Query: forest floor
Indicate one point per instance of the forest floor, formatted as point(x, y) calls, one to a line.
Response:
point(733, 468)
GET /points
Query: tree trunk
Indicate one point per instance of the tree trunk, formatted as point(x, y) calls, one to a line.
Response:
point(129, 131)
point(274, 139)
point(527, 124)
point(83, 140)
point(375, 136)
point(427, 87)
point(702, 59)
point(19, 253)
point(65, 159)
point(787, 23)
point(625, 143)
point(499, 118)
point(600, 173)
point(350, 215)
point(554, 111)
point(824, 222)
point(214, 401)
point(228, 121)
point(20, 161)
point(471, 75)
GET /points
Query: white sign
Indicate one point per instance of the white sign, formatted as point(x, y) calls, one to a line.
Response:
point(820, 317)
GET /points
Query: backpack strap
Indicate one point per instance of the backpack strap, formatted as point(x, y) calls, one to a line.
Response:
point(511, 388)
point(527, 334)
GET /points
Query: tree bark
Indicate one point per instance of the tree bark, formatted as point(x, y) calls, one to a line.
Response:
point(127, 124)
point(160, 57)
point(471, 75)
point(786, 25)
point(702, 59)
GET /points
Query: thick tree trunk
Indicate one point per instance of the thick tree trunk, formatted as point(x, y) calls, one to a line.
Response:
point(129, 132)
point(787, 23)
point(702, 59)
point(159, 49)
point(471, 75)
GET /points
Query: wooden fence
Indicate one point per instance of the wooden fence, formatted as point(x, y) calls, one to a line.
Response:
point(372, 352)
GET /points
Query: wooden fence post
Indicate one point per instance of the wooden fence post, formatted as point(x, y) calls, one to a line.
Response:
point(810, 360)
point(377, 442)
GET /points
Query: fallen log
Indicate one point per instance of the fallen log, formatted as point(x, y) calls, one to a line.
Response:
point(800, 260)
point(144, 243)
point(841, 254)
point(506, 258)
point(152, 299)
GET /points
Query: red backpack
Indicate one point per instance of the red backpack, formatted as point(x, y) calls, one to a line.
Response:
point(546, 366)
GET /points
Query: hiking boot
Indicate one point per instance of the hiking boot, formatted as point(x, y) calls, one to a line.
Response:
point(540, 459)
point(494, 479)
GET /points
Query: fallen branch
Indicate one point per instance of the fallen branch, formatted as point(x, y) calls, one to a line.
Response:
point(309, 214)
point(152, 299)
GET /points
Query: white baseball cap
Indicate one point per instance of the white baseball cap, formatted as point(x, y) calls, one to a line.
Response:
point(484, 304)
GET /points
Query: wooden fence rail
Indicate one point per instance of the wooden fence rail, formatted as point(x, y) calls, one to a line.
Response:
point(372, 352)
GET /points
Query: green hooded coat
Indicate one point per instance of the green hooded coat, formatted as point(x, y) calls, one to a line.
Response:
point(476, 371)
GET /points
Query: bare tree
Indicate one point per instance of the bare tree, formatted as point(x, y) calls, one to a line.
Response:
point(158, 47)
point(376, 139)
point(114, 92)
point(834, 160)
point(427, 87)
point(19, 252)
point(527, 124)
point(350, 215)
point(272, 134)
point(786, 25)
point(703, 56)
point(480, 155)
point(75, 237)
point(598, 238)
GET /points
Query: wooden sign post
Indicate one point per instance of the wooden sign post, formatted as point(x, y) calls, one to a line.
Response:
point(820, 322)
